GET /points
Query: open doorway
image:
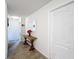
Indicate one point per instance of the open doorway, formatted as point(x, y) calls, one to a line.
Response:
point(14, 32)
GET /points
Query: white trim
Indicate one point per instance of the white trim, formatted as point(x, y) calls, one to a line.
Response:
point(41, 52)
point(49, 56)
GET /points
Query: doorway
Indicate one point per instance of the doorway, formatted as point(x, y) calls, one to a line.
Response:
point(14, 33)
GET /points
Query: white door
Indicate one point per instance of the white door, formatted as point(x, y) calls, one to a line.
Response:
point(62, 32)
point(14, 30)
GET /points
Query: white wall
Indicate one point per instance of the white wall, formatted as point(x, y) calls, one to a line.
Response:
point(3, 43)
point(41, 32)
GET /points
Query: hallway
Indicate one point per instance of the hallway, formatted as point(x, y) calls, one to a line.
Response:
point(22, 52)
point(51, 22)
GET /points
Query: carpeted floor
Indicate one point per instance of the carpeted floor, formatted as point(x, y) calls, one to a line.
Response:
point(22, 52)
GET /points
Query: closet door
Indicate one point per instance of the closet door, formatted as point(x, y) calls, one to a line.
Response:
point(62, 32)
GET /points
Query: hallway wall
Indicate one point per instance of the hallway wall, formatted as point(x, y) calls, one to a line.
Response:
point(41, 32)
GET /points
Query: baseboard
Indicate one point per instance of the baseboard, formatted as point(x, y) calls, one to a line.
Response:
point(41, 53)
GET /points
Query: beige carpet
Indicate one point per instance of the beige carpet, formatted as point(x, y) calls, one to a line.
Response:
point(22, 52)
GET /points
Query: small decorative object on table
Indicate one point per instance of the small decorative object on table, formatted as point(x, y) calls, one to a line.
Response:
point(29, 38)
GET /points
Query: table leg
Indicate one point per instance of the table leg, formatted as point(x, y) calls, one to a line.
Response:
point(25, 42)
point(32, 46)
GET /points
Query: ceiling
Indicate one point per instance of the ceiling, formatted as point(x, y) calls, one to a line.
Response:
point(24, 7)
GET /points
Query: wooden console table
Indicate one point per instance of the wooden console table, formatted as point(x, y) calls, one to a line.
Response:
point(31, 40)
